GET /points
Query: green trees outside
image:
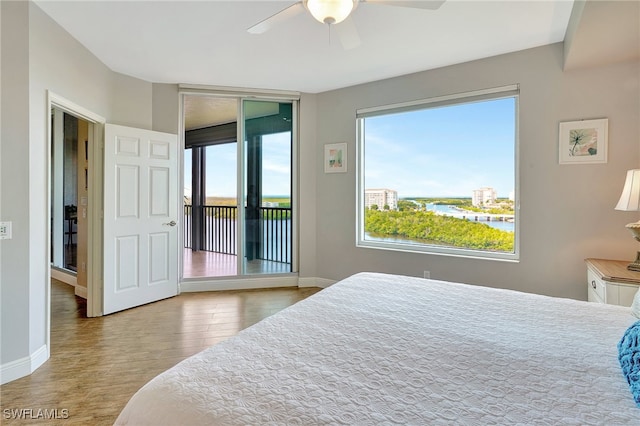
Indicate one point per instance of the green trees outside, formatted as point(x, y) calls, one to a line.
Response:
point(405, 205)
point(439, 230)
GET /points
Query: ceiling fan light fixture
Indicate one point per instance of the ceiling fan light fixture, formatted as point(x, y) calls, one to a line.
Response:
point(330, 11)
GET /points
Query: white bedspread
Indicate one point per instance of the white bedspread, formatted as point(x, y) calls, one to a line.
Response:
point(383, 349)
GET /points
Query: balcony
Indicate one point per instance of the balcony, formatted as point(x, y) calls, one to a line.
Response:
point(210, 241)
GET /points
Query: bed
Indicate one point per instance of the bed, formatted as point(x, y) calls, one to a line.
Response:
point(388, 349)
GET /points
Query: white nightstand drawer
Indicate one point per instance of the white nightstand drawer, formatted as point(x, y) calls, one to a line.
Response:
point(621, 294)
point(596, 288)
point(592, 296)
point(609, 281)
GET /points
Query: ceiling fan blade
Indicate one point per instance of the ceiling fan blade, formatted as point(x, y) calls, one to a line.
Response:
point(425, 4)
point(348, 34)
point(272, 21)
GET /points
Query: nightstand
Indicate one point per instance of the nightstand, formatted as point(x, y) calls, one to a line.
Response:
point(609, 281)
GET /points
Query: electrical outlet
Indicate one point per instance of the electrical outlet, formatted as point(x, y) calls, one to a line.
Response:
point(5, 230)
point(427, 274)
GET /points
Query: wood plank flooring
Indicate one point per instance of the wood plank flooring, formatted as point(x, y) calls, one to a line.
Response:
point(97, 364)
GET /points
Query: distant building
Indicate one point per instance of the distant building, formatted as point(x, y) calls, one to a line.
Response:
point(484, 196)
point(381, 198)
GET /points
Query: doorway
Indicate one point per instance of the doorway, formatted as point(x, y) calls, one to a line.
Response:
point(69, 199)
point(88, 129)
point(239, 203)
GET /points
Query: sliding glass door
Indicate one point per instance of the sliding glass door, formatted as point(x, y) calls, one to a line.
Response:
point(267, 222)
point(239, 202)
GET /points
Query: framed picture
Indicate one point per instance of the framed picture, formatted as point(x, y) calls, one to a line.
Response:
point(335, 158)
point(583, 142)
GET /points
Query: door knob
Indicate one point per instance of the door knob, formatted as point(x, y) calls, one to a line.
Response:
point(172, 223)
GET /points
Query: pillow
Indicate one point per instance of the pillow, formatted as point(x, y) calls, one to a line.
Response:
point(635, 306)
point(629, 357)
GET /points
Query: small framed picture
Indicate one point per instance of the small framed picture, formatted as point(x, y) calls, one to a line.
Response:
point(583, 142)
point(335, 158)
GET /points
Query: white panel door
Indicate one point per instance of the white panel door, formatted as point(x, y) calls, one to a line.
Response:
point(140, 217)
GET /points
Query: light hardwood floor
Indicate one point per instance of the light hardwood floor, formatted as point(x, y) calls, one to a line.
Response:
point(97, 364)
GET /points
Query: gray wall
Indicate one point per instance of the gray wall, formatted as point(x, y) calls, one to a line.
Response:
point(567, 211)
point(307, 173)
point(37, 55)
point(165, 101)
point(14, 159)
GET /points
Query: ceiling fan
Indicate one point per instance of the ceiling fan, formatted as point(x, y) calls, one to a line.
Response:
point(334, 12)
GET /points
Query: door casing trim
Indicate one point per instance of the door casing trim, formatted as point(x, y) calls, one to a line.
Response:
point(95, 204)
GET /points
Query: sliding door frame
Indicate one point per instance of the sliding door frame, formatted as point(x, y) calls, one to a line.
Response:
point(243, 281)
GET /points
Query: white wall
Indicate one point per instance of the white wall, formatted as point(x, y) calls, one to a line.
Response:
point(567, 210)
point(37, 55)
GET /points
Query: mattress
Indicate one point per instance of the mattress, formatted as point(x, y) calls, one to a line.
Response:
point(387, 349)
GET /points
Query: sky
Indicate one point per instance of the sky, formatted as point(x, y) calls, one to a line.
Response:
point(222, 170)
point(443, 152)
point(437, 152)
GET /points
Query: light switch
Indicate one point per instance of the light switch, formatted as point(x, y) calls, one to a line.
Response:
point(5, 230)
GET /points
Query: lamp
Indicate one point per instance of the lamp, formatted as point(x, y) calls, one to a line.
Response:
point(630, 201)
point(330, 11)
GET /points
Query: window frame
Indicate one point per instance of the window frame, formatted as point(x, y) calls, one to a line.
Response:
point(510, 91)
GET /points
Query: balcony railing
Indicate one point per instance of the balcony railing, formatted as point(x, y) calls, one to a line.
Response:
point(219, 231)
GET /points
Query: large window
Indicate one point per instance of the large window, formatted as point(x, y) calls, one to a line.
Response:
point(440, 175)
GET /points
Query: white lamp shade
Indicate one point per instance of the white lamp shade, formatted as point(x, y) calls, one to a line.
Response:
point(630, 198)
point(330, 11)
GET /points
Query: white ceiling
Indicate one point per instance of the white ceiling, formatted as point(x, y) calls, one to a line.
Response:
point(206, 42)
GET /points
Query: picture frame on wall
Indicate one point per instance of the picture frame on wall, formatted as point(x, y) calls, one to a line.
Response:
point(335, 158)
point(583, 142)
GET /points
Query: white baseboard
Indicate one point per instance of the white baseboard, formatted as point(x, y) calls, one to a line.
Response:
point(254, 283)
point(23, 367)
point(239, 284)
point(65, 277)
point(71, 279)
point(81, 292)
point(315, 282)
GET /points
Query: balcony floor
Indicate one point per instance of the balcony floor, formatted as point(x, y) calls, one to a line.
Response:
point(201, 264)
